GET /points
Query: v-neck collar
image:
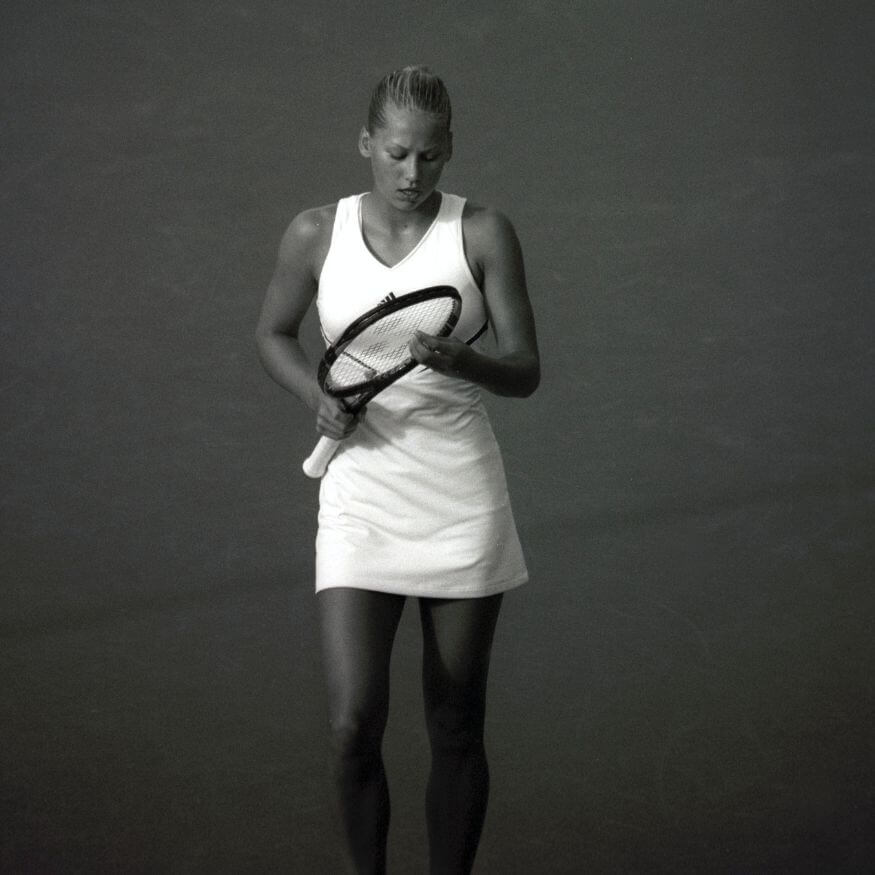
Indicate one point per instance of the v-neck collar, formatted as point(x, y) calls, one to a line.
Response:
point(412, 252)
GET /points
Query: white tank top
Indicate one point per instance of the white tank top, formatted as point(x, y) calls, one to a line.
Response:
point(353, 279)
point(415, 501)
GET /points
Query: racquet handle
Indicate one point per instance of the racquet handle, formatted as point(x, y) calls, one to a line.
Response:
point(315, 464)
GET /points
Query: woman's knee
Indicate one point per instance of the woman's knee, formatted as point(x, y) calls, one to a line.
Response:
point(356, 735)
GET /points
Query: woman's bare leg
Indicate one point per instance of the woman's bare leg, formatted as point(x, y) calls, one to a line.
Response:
point(358, 630)
point(457, 637)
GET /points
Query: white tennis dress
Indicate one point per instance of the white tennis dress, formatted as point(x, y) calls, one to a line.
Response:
point(415, 501)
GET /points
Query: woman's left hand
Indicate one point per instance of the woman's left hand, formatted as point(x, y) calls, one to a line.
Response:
point(446, 355)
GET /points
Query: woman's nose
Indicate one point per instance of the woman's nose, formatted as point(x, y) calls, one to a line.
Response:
point(411, 169)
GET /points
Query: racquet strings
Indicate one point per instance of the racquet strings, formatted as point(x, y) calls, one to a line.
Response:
point(383, 346)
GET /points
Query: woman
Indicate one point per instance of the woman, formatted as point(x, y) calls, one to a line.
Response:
point(415, 502)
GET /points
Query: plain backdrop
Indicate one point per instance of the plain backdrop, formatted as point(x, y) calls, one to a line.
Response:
point(686, 683)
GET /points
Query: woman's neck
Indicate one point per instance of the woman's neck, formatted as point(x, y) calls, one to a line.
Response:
point(396, 221)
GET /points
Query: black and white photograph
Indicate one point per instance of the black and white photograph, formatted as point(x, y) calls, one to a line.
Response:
point(437, 438)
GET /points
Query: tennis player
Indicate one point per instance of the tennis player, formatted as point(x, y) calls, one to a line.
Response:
point(414, 503)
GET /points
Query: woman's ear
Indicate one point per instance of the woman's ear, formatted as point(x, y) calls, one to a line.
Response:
point(364, 143)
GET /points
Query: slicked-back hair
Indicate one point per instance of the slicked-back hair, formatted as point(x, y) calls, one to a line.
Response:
point(414, 87)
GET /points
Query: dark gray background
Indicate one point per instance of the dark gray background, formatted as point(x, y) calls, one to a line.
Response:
point(686, 684)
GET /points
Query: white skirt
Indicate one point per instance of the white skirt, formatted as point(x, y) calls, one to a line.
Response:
point(415, 501)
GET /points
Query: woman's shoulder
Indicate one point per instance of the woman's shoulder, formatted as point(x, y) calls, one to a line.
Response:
point(485, 218)
point(313, 223)
point(310, 230)
point(484, 226)
point(308, 236)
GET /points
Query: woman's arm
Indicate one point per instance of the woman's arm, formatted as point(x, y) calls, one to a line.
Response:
point(289, 296)
point(496, 260)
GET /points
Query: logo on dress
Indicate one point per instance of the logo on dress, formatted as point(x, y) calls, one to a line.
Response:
point(389, 298)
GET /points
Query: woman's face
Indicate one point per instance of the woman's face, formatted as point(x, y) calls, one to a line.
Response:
point(407, 155)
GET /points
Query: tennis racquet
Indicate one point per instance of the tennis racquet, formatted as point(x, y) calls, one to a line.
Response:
point(374, 351)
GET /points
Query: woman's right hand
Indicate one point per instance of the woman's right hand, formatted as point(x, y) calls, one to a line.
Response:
point(334, 420)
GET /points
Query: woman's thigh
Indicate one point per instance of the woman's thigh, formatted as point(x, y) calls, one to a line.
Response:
point(457, 644)
point(358, 629)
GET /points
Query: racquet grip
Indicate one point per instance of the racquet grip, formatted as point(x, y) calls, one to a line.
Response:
point(315, 464)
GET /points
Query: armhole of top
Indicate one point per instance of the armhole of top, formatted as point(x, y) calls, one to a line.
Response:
point(463, 251)
point(464, 256)
point(335, 230)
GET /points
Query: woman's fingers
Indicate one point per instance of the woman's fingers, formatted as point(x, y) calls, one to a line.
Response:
point(334, 419)
point(421, 347)
point(442, 354)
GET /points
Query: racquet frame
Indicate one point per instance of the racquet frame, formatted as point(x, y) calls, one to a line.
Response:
point(363, 322)
point(356, 396)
